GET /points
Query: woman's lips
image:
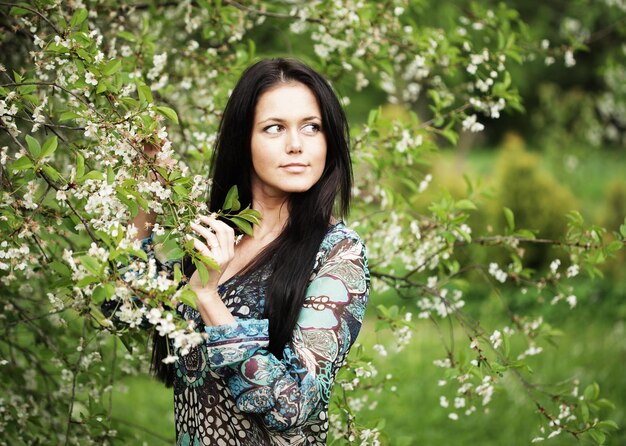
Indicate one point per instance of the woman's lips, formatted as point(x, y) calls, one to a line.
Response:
point(294, 167)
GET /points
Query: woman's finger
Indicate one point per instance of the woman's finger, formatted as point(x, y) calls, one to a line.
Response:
point(223, 232)
point(202, 248)
point(211, 239)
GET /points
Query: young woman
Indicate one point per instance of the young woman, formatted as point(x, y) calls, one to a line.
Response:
point(287, 303)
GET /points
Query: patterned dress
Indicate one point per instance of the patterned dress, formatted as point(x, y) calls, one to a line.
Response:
point(232, 391)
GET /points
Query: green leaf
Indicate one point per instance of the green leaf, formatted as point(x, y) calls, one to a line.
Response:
point(607, 424)
point(243, 225)
point(79, 17)
point(60, 268)
point(68, 116)
point(372, 117)
point(181, 190)
point(139, 253)
point(175, 254)
point(178, 275)
point(232, 200)
point(169, 113)
point(251, 215)
point(83, 39)
point(93, 175)
point(110, 175)
point(22, 163)
point(90, 264)
point(87, 280)
point(465, 204)
point(525, 233)
point(80, 165)
point(510, 218)
point(102, 87)
point(450, 135)
point(592, 392)
point(584, 410)
point(127, 36)
point(622, 230)
point(33, 146)
point(85, 55)
point(16, 11)
point(49, 146)
point(51, 172)
point(189, 298)
point(111, 67)
point(97, 314)
point(605, 404)
point(498, 368)
point(203, 272)
point(99, 295)
point(598, 436)
point(209, 262)
point(145, 94)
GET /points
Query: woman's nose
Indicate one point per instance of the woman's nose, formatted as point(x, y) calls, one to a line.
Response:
point(294, 143)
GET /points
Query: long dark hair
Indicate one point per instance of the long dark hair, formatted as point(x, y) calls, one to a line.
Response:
point(292, 253)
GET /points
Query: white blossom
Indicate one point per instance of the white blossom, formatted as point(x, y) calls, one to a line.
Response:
point(496, 339)
point(470, 123)
point(90, 78)
point(169, 359)
point(498, 273)
point(380, 349)
point(573, 270)
point(91, 130)
point(554, 265)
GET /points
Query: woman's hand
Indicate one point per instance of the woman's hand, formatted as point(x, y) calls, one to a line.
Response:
point(145, 219)
point(217, 242)
point(152, 151)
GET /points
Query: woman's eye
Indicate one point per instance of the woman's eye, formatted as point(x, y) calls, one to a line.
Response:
point(312, 128)
point(273, 129)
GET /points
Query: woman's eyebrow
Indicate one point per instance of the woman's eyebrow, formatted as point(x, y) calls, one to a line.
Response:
point(308, 118)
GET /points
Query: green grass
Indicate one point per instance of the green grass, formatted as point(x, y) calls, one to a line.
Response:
point(144, 409)
point(590, 350)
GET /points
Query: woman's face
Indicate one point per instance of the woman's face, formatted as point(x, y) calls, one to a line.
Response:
point(288, 144)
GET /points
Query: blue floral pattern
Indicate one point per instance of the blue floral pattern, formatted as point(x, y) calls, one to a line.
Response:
point(232, 391)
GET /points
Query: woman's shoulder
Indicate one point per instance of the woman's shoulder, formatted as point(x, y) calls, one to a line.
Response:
point(340, 234)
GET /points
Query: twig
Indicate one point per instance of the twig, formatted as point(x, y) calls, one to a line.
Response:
point(51, 183)
point(43, 17)
point(142, 428)
point(267, 13)
point(55, 85)
point(74, 382)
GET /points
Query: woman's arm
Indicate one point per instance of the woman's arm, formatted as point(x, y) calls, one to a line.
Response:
point(145, 219)
point(286, 391)
point(144, 222)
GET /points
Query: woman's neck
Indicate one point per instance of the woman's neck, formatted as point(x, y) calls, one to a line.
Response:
point(274, 209)
point(274, 216)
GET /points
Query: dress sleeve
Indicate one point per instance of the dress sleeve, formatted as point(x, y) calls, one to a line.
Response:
point(286, 391)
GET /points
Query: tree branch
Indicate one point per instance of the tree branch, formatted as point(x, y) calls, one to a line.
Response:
point(34, 11)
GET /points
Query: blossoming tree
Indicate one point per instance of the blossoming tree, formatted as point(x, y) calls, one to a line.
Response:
point(85, 86)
